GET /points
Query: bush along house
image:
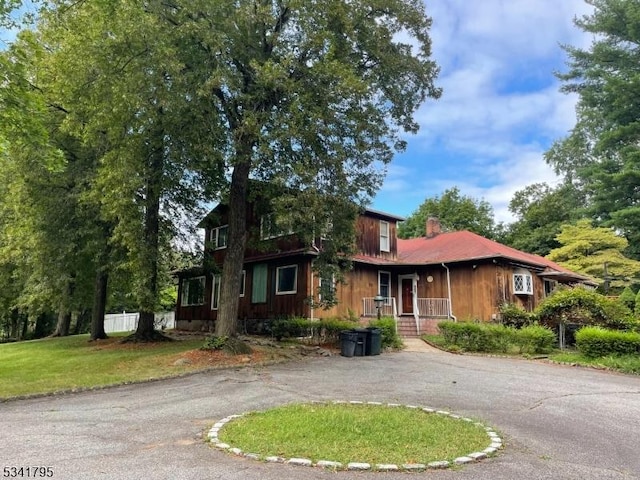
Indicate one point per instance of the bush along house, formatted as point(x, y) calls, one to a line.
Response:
point(442, 275)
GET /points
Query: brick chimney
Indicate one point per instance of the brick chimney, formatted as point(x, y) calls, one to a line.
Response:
point(433, 226)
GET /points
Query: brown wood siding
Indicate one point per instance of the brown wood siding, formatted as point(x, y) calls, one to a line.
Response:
point(361, 282)
point(283, 305)
point(368, 237)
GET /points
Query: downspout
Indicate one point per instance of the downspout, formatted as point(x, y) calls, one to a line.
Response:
point(449, 293)
point(414, 297)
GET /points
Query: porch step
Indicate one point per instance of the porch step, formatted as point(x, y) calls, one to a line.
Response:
point(407, 328)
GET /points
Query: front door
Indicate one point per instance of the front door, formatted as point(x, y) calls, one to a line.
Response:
point(407, 296)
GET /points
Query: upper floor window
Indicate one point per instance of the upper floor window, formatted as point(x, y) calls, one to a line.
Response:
point(384, 236)
point(269, 228)
point(522, 282)
point(192, 291)
point(219, 237)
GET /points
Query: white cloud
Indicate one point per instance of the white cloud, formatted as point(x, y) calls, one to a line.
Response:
point(501, 106)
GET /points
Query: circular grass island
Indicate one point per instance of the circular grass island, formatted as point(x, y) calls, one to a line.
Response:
point(356, 436)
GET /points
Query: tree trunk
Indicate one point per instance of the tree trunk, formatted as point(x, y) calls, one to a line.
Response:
point(83, 320)
point(227, 321)
point(99, 305)
point(145, 331)
point(64, 323)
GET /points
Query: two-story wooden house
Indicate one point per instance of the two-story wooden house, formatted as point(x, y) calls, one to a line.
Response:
point(441, 275)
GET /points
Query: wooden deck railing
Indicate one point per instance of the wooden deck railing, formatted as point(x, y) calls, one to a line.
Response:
point(433, 307)
point(388, 308)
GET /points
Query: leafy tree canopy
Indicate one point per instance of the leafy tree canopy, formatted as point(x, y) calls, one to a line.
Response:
point(455, 212)
point(540, 212)
point(597, 252)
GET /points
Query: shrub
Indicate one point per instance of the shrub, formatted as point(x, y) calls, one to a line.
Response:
point(327, 331)
point(534, 339)
point(215, 342)
point(466, 335)
point(389, 336)
point(475, 337)
point(600, 342)
point(289, 328)
point(514, 316)
point(628, 298)
point(584, 307)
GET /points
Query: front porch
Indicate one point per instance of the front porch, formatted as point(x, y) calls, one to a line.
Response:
point(416, 319)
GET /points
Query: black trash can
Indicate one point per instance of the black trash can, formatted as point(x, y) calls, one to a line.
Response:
point(374, 341)
point(361, 342)
point(348, 340)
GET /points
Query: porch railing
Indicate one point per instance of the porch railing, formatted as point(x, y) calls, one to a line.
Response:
point(433, 307)
point(388, 308)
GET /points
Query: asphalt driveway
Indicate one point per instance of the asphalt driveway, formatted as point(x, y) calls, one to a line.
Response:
point(558, 422)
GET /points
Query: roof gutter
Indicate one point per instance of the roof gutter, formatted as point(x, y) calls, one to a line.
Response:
point(449, 292)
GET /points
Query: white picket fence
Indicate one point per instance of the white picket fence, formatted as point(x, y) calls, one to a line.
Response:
point(128, 321)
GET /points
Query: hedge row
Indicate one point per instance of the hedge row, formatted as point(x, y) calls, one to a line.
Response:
point(477, 337)
point(599, 342)
point(327, 331)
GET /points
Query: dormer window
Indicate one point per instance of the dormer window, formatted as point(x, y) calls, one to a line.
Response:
point(522, 282)
point(219, 237)
point(384, 236)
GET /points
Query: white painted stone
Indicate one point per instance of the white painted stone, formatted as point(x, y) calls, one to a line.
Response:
point(414, 466)
point(441, 464)
point(219, 425)
point(252, 456)
point(453, 415)
point(496, 439)
point(411, 406)
point(477, 455)
point(387, 467)
point(393, 405)
point(492, 434)
point(223, 446)
point(374, 403)
point(236, 451)
point(358, 466)
point(443, 412)
point(467, 419)
point(463, 460)
point(274, 459)
point(356, 402)
point(328, 464)
point(490, 450)
point(496, 445)
point(304, 462)
point(428, 410)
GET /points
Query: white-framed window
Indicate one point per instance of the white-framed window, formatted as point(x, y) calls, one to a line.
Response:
point(286, 280)
point(219, 237)
point(522, 282)
point(326, 287)
point(384, 286)
point(215, 291)
point(384, 236)
point(192, 291)
point(269, 228)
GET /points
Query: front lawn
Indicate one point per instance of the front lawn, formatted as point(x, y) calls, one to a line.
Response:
point(56, 364)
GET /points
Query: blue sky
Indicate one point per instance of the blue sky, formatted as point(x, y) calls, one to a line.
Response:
point(501, 107)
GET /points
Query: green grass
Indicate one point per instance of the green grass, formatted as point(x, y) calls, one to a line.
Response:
point(620, 363)
point(49, 365)
point(354, 433)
